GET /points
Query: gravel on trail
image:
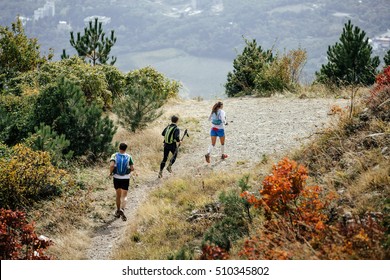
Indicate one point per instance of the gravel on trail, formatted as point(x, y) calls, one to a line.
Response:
point(256, 127)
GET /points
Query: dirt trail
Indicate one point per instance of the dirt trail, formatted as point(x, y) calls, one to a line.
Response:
point(256, 127)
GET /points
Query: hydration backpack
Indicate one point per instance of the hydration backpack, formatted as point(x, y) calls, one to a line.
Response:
point(216, 118)
point(122, 164)
point(169, 134)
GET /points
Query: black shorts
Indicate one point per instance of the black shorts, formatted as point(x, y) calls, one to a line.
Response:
point(121, 184)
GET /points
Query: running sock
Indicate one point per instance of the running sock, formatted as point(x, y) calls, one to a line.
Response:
point(223, 149)
point(210, 149)
point(123, 202)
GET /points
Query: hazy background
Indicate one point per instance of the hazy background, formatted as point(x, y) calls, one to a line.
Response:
point(195, 41)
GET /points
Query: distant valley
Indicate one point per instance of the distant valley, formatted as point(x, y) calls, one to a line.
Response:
point(195, 41)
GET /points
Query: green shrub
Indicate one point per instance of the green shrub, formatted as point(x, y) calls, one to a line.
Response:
point(64, 107)
point(18, 53)
point(261, 73)
point(349, 61)
point(247, 66)
point(156, 82)
point(234, 224)
point(145, 93)
point(274, 77)
point(91, 80)
point(16, 118)
point(386, 58)
point(115, 79)
point(138, 107)
point(5, 151)
point(46, 139)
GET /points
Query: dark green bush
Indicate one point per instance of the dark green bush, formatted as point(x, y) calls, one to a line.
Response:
point(64, 107)
point(115, 79)
point(234, 224)
point(349, 60)
point(262, 73)
point(247, 67)
point(45, 139)
point(16, 118)
point(145, 93)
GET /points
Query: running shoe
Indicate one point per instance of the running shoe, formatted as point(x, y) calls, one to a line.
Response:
point(207, 156)
point(124, 218)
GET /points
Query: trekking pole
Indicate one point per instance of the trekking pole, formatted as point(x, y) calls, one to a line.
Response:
point(184, 134)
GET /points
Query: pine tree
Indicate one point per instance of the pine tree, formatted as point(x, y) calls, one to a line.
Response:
point(386, 59)
point(349, 61)
point(139, 106)
point(145, 91)
point(93, 45)
point(64, 107)
point(246, 67)
point(46, 139)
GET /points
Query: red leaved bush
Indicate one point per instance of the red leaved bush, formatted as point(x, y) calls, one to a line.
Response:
point(379, 99)
point(297, 223)
point(18, 240)
point(210, 252)
point(294, 212)
point(383, 79)
point(285, 193)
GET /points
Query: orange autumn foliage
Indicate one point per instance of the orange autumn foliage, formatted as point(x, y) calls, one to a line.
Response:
point(298, 225)
point(285, 193)
point(211, 252)
point(18, 239)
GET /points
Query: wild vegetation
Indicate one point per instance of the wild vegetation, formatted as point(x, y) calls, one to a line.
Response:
point(263, 73)
point(93, 46)
point(18, 238)
point(328, 200)
point(54, 120)
point(350, 61)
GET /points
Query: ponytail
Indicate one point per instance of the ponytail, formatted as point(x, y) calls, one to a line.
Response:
point(216, 107)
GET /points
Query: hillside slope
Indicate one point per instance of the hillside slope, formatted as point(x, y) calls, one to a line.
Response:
point(257, 128)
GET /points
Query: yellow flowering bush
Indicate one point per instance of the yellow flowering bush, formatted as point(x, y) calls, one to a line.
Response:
point(27, 176)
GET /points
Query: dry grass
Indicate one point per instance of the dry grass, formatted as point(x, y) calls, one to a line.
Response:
point(70, 246)
point(351, 157)
point(70, 220)
point(343, 158)
point(322, 91)
point(372, 188)
point(146, 146)
point(63, 220)
point(162, 229)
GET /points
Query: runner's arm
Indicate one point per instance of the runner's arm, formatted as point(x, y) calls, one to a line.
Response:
point(223, 117)
point(112, 166)
point(177, 135)
point(131, 164)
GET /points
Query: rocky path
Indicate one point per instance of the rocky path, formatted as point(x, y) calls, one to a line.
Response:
point(256, 127)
